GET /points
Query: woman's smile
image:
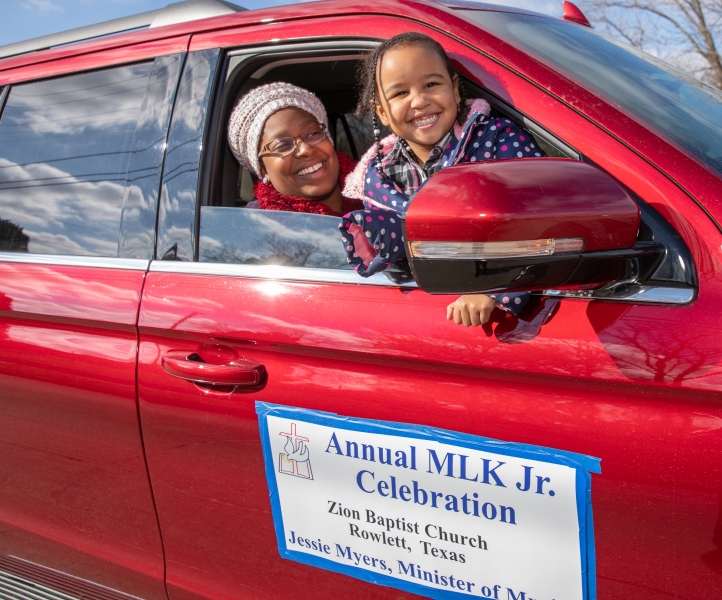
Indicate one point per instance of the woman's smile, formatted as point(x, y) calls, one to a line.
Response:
point(311, 170)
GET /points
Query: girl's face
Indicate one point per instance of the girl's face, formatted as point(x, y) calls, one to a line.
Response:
point(418, 98)
point(310, 171)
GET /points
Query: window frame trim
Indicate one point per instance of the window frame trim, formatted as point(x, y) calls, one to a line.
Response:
point(69, 260)
point(646, 294)
point(275, 273)
point(215, 137)
point(4, 91)
point(246, 57)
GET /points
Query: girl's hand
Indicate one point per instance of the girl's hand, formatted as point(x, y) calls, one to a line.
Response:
point(472, 309)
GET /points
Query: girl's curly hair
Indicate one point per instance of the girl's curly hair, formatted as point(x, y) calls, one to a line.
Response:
point(368, 97)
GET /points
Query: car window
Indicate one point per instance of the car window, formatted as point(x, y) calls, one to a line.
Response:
point(684, 109)
point(64, 150)
point(233, 228)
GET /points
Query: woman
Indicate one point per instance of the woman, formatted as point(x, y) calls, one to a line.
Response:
point(280, 133)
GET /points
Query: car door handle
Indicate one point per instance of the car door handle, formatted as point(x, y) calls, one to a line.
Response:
point(191, 367)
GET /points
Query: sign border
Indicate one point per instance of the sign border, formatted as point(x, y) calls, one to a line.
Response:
point(583, 464)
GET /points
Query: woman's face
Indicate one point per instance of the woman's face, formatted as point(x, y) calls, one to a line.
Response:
point(309, 171)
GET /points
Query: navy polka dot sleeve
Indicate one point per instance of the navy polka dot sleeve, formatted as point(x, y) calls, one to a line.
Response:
point(496, 139)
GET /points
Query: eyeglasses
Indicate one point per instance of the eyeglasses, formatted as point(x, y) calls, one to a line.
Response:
point(287, 145)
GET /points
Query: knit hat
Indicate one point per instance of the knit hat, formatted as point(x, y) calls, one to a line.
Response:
point(252, 111)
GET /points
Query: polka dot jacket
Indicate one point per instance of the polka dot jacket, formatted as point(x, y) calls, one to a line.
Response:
point(373, 238)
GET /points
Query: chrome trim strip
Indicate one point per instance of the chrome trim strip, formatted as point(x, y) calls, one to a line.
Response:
point(275, 272)
point(13, 587)
point(637, 294)
point(31, 581)
point(130, 264)
point(640, 294)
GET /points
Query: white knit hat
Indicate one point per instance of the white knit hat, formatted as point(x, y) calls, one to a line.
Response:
point(250, 114)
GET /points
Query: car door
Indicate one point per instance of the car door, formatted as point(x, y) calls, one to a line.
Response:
point(80, 155)
point(631, 382)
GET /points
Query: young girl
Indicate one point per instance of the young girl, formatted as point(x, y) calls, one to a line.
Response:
point(410, 85)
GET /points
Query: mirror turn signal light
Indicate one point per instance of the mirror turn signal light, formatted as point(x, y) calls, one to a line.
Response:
point(495, 250)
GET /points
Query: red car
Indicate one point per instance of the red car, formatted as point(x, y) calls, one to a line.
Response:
point(147, 320)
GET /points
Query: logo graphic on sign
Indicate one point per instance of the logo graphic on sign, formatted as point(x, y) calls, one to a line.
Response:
point(294, 458)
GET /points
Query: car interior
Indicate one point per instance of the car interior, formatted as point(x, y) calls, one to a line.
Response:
point(332, 77)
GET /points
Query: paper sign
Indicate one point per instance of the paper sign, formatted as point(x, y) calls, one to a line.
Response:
point(434, 512)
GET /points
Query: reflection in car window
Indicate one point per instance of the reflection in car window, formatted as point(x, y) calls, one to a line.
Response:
point(269, 237)
point(686, 110)
point(176, 221)
point(64, 148)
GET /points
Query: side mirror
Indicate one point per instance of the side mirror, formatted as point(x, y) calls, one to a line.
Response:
point(522, 225)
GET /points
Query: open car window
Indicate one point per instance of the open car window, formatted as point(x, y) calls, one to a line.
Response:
point(234, 230)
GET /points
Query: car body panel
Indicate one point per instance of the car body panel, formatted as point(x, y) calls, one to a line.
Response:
point(75, 494)
point(206, 462)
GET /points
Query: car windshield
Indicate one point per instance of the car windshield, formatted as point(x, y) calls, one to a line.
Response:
point(684, 109)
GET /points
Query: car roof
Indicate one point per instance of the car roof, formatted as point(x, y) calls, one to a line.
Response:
point(196, 16)
point(177, 12)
